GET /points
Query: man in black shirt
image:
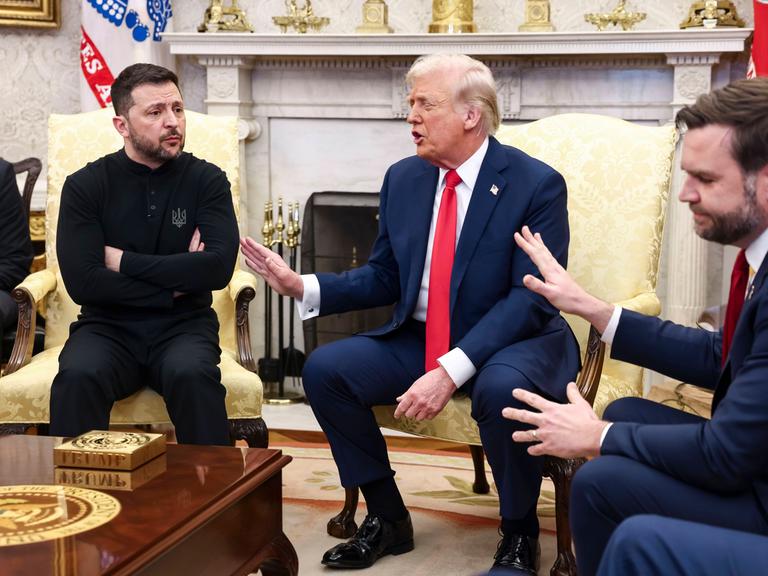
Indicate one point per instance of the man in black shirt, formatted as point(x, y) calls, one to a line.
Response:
point(15, 245)
point(144, 235)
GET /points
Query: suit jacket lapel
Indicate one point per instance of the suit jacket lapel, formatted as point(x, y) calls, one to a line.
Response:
point(481, 206)
point(419, 219)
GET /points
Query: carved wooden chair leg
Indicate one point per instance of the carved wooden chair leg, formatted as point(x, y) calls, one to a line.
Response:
point(343, 524)
point(253, 430)
point(561, 471)
point(480, 485)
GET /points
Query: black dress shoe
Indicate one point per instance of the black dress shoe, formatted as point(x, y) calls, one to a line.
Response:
point(375, 538)
point(517, 554)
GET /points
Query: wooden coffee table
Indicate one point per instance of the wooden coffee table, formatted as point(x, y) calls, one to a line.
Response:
point(214, 511)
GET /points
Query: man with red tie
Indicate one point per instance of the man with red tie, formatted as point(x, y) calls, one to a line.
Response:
point(463, 321)
point(655, 459)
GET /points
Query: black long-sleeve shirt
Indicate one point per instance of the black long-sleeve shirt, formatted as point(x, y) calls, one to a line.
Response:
point(15, 244)
point(151, 215)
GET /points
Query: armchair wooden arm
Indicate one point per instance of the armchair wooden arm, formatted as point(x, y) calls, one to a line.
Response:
point(27, 295)
point(242, 289)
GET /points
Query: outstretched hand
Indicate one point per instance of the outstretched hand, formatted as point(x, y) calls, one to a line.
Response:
point(272, 268)
point(559, 287)
point(566, 430)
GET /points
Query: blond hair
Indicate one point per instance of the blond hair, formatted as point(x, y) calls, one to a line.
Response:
point(476, 87)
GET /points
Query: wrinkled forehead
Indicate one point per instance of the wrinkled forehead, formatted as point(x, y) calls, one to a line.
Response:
point(148, 94)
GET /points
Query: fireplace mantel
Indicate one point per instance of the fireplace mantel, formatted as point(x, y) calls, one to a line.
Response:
point(325, 111)
point(691, 41)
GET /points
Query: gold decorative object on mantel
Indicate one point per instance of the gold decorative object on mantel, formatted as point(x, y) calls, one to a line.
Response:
point(619, 17)
point(536, 17)
point(220, 18)
point(375, 18)
point(452, 17)
point(300, 19)
point(712, 13)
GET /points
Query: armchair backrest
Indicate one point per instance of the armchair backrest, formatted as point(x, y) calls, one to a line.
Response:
point(618, 176)
point(76, 139)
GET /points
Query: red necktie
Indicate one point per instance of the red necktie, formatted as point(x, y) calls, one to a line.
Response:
point(739, 278)
point(438, 334)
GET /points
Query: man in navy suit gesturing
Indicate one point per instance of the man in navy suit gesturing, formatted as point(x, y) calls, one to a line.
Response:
point(655, 459)
point(446, 256)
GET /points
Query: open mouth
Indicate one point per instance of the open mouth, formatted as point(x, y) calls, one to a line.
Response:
point(417, 138)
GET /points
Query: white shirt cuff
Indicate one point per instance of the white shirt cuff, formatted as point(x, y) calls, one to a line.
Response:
point(309, 306)
point(613, 323)
point(604, 432)
point(458, 365)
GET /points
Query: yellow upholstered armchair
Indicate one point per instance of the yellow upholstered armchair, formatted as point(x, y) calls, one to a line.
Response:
point(618, 177)
point(74, 140)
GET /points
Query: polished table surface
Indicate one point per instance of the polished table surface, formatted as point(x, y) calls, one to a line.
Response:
point(215, 510)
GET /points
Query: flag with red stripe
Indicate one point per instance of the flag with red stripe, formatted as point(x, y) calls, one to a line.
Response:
point(758, 62)
point(116, 34)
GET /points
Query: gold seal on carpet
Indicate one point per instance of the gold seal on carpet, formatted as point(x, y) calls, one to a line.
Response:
point(40, 513)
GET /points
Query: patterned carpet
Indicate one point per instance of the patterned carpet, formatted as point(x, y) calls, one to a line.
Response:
point(456, 530)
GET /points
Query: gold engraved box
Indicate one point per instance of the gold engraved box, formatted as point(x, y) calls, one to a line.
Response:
point(125, 480)
point(109, 450)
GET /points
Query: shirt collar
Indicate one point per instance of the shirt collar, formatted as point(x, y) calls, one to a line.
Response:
point(756, 251)
point(469, 171)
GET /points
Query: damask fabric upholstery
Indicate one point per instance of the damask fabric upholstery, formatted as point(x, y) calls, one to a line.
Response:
point(618, 177)
point(73, 141)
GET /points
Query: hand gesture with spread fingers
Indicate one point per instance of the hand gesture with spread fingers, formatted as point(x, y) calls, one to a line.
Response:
point(566, 430)
point(270, 266)
point(558, 286)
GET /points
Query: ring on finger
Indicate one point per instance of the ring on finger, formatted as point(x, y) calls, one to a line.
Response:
point(535, 435)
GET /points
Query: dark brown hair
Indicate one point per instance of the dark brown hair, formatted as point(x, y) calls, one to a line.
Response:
point(136, 75)
point(742, 105)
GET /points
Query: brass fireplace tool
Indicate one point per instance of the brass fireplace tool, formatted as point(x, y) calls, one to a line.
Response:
point(273, 370)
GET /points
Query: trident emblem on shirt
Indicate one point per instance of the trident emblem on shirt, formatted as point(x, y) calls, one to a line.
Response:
point(178, 217)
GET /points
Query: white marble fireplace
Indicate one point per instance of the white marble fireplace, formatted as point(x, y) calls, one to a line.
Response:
point(326, 112)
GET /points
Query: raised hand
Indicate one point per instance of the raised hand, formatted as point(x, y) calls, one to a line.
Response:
point(272, 268)
point(558, 286)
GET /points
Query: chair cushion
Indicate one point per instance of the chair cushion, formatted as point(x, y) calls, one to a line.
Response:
point(26, 394)
point(454, 422)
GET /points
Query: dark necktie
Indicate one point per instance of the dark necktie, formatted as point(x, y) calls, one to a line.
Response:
point(438, 331)
point(739, 279)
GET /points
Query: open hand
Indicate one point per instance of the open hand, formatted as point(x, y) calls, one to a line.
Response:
point(567, 430)
point(272, 268)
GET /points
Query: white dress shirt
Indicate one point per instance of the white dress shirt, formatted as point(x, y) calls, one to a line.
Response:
point(455, 361)
point(755, 254)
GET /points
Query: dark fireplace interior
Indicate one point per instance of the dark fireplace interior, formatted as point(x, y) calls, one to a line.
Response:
point(338, 232)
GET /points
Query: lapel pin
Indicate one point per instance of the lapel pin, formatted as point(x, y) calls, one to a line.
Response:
point(751, 291)
point(494, 189)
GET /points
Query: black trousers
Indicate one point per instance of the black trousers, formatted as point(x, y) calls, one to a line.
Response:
point(106, 360)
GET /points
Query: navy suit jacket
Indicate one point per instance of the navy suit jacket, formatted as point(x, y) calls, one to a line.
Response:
point(492, 314)
point(729, 453)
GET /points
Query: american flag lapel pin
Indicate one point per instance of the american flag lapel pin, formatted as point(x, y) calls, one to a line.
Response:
point(751, 291)
point(494, 190)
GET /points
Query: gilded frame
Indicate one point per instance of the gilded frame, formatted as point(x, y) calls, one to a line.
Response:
point(30, 13)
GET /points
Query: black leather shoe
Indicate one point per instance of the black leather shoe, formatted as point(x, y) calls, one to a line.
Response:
point(517, 554)
point(375, 538)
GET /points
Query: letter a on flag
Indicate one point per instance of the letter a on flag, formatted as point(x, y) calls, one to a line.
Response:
point(116, 34)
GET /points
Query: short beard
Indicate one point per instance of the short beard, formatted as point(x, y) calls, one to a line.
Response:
point(733, 226)
point(154, 151)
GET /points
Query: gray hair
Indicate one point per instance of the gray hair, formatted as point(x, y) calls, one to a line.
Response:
point(475, 88)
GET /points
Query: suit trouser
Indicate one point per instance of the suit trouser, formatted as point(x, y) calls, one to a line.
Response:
point(106, 360)
point(344, 379)
point(610, 489)
point(652, 545)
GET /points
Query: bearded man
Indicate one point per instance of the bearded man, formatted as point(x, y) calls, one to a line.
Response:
point(144, 235)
